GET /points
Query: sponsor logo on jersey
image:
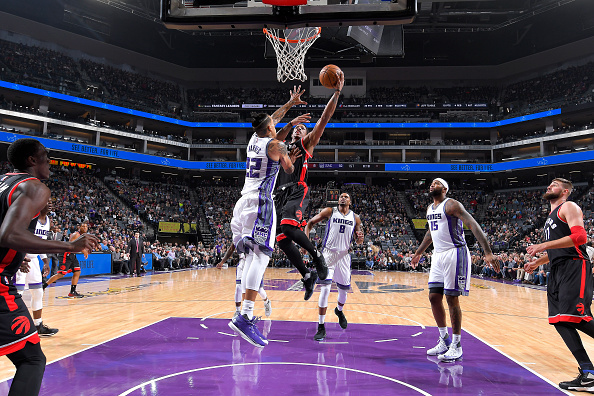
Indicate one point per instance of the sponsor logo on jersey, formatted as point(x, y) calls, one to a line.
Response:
point(261, 234)
point(20, 325)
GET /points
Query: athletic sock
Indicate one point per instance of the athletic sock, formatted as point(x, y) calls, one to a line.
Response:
point(72, 288)
point(456, 338)
point(37, 322)
point(443, 332)
point(248, 309)
point(322, 319)
point(339, 307)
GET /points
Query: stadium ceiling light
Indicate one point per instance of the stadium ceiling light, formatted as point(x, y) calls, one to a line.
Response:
point(120, 167)
point(513, 181)
point(90, 163)
point(146, 170)
point(509, 159)
point(513, 177)
point(575, 171)
point(481, 179)
point(197, 176)
point(564, 151)
point(541, 175)
point(582, 148)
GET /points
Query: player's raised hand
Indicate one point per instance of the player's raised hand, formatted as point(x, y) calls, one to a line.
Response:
point(340, 83)
point(296, 95)
point(294, 154)
point(302, 119)
point(85, 244)
point(24, 268)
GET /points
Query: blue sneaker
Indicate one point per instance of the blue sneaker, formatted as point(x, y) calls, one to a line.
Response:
point(248, 331)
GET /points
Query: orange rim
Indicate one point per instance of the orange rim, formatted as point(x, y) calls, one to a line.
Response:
point(282, 40)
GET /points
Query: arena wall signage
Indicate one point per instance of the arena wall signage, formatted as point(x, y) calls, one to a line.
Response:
point(343, 125)
point(582, 156)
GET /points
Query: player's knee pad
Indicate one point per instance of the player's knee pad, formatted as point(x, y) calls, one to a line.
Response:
point(324, 295)
point(238, 292)
point(342, 296)
point(36, 299)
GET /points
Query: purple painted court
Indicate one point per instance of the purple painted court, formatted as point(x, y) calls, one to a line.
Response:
point(192, 356)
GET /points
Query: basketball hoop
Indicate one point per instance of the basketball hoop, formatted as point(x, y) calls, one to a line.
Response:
point(290, 46)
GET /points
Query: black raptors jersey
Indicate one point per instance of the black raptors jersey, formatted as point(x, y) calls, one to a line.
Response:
point(555, 228)
point(10, 260)
point(300, 164)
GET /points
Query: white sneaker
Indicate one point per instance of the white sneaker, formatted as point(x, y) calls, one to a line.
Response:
point(453, 353)
point(442, 346)
point(267, 307)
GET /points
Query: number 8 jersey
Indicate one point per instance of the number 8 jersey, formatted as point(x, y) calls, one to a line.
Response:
point(447, 232)
point(339, 231)
point(261, 171)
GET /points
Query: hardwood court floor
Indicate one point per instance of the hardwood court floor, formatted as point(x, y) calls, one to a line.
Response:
point(509, 317)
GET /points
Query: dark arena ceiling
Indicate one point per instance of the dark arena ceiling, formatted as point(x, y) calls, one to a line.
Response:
point(445, 33)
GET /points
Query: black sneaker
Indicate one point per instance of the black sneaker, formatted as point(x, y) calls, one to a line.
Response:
point(321, 334)
point(321, 266)
point(75, 294)
point(45, 331)
point(44, 285)
point(341, 318)
point(309, 284)
point(583, 383)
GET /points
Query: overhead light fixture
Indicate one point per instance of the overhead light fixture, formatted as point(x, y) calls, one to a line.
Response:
point(576, 171)
point(119, 167)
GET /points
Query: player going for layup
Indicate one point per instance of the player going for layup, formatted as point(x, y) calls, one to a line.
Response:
point(70, 264)
point(293, 196)
point(32, 278)
point(239, 294)
point(342, 223)
point(450, 265)
point(22, 197)
point(254, 219)
point(569, 285)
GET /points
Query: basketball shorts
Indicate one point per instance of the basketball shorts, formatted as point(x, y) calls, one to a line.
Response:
point(32, 278)
point(16, 325)
point(291, 202)
point(339, 269)
point(69, 264)
point(451, 270)
point(254, 223)
point(569, 291)
point(239, 272)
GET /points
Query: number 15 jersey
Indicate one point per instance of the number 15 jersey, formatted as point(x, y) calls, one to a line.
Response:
point(447, 232)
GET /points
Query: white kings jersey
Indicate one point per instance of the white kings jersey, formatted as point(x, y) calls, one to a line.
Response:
point(447, 232)
point(339, 231)
point(41, 231)
point(261, 171)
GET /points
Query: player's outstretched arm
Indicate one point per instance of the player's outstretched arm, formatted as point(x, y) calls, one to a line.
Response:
point(284, 131)
point(294, 100)
point(324, 214)
point(359, 230)
point(422, 247)
point(277, 151)
point(312, 139)
point(571, 213)
point(227, 255)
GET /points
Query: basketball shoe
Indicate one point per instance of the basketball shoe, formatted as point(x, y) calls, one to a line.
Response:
point(75, 294)
point(248, 331)
point(320, 263)
point(442, 346)
point(341, 318)
point(267, 307)
point(45, 331)
point(583, 383)
point(453, 353)
point(309, 284)
point(321, 334)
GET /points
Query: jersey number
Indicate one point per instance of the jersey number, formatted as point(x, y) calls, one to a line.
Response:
point(341, 229)
point(253, 170)
point(433, 225)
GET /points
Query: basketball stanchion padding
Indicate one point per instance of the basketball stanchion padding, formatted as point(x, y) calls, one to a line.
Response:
point(290, 46)
point(285, 3)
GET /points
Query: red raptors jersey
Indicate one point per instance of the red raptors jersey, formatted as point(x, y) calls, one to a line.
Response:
point(10, 260)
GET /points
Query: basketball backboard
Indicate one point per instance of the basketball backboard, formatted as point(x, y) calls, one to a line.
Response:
point(254, 14)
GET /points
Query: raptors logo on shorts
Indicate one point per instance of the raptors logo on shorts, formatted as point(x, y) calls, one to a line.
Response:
point(20, 325)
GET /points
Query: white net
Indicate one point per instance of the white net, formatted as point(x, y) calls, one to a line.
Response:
point(290, 46)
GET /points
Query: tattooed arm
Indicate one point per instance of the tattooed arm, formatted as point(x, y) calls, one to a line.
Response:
point(312, 139)
point(295, 100)
point(277, 151)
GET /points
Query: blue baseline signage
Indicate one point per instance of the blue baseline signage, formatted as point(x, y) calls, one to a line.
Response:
point(389, 167)
point(95, 264)
point(348, 125)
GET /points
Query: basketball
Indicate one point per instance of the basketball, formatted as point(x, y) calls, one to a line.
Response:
point(329, 76)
